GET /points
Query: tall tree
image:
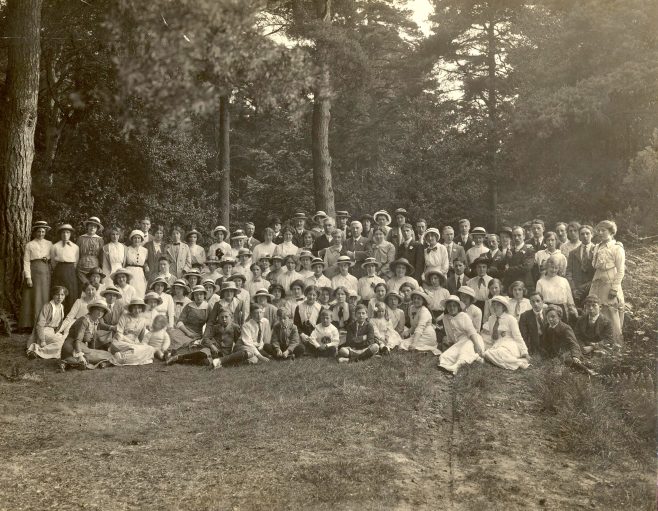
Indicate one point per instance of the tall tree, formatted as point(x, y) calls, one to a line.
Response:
point(20, 97)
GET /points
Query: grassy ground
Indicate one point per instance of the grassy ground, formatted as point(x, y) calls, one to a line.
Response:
point(390, 433)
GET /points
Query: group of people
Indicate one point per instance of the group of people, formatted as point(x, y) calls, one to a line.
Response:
point(336, 287)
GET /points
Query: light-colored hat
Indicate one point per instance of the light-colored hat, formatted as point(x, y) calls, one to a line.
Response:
point(318, 260)
point(227, 260)
point(345, 260)
point(121, 271)
point(393, 293)
point(384, 213)
point(467, 290)
point(455, 299)
point(98, 304)
point(136, 301)
point(342, 214)
point(401, 211)
point(299, 215)
point(199, 289)
point(136, 232)
point(193, 231)
point(480, 231)
point(442, 277)
point(152, 295)
point(160, 280)
point(212, 259)
point(501, 300)
point(194, 272)
point(94, 220)
point(181, 283)
point(422, 294)
point(238, 275)
point(222, 229)
point(65, 227)
point(433, 230)
point(371, 261)
point(111, 290)
point(305, 253)
point(263, 292)
point(239, 235)
point(402, 261)
point(319, 215)
point(41, 224)
point(210, 281)
point(244, 251)
point(226, 286)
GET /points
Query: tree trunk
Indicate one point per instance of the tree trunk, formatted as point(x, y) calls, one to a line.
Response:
point(17, 144)
point(224, 158)
point(322, 180)
point(492, 109)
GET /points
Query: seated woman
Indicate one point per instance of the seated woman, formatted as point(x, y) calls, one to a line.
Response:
point(76, 350)
point(285, 343)
point(167, 308)
point(211, 292)
point(296, 295)
point(179, 292)
point(46, 340)
point(79, 308)
point(307, 313)
point(467, 297)
point(495, 288)
point(121, 279)
point(276, 271)
point(593, 330)
point(381, 290)
point(152, 301)
point(434, 287)
point(128, 347)
point(366, 284)
point(305, 258)
point(518, 303)
point(556, 290)
point(421, 336)
point(108, 323)
point(290, 275)
point(401, 269)
point(395, 313)
point(341, 313)
point(192, 320)
point(466, 345)
point(560, 342)
point(264, 299)
point(505, 346)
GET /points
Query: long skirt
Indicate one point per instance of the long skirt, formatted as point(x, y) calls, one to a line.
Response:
point(425, 342)
point(505, 353)
point(93, 357)
point(613, 309)
point(53, 346)
point(459, 354)
point(178, 339)
point(65, 275)
point(128, 353)
point(35, 297)
point(138, 280)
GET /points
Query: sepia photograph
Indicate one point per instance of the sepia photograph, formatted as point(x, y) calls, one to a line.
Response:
point(328, 255)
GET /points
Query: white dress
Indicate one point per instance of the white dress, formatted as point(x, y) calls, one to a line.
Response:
point(113, 259)
point(423, 335)
point(135, 260)
point(385, 333)
point(459, 330)
point(263, 249)
point(507, 350)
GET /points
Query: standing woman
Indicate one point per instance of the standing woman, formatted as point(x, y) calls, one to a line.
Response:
point(114, 254)
point(609, 265)
point(156, 249)
point(383, 251)
point(136, 262)
point(64, 256)
point(287, 247)
point(220, 248)
point(197, 252)
point(36, 271)
point(91, 248)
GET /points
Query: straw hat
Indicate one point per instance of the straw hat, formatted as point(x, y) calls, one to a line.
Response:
point(227, 286)
point(478, 231)
point(384, 213)
point(318, 260)
point(212, 259)
point(210, 281)
point(305, 253)
point(237, 276)
point(199, 289)
point(193, 231)
point(299, 215)
point(244, 251)
point(220, 228)
point(433, 230)
point(136, 302)
point(401, 211)
point(227, 260)
point(152, 295)
point(501, 300)
point(342, 214)
point(422, 294)
point(239, 235)
point(402, 261)
point(442, 277)
point(160, 280)
point(194, 272)
point(94, 220)
point(319, 215)
point(121, 271)
point(65, 227)
point(41, 224)
point(345, 260)
point(263, 292)
point(98, 304)
point(111, 290)
point(182, 284)
point(393, 293)
point(467, 290)
point(455, 299)
point(371, 261)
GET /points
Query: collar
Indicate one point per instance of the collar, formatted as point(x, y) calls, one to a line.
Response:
point(594, 319)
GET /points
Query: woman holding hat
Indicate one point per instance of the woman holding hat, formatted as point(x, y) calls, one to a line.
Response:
point(179, 292)
point(383, 251)
point(197, 252)
point(466, 344)
point(36, 272)
point(219, 248)
point(192, 320)
point(478, 234)
point(121, 279)
point(421, 336)
point(77, 350)
point(402, 271)
point(128, 347)
point(113, 254)
point(287, 247)
point(91, 248)
point(136, 262)
point(64, 256)
point(507, 348)
point(46, 341)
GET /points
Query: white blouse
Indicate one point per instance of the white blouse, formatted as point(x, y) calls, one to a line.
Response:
point(35, 249)
point(458, 327)
point(61, 253)
point(555, 290)
point(508, 327)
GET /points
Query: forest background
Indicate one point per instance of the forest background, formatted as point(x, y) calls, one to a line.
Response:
point(202, 112)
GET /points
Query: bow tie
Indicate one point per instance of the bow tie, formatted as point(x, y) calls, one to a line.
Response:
point(432, 249)
point(175, 243)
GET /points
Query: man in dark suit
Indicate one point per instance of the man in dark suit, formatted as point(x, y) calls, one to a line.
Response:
point(277, 239)
point(412, 251)
point(298, 222)
point(532, 323)
point(324, 240)
point(356, 248)
point(454, 250)
point(559, 341)
point(521, 261)
point(456, 278)
point(464, 239)
point(592, 328)
point(536, 241)
point(342, 223)
point(580, 271)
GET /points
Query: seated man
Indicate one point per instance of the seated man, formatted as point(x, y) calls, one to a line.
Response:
point(593, 330)
point(560, 342)
point(532, 323)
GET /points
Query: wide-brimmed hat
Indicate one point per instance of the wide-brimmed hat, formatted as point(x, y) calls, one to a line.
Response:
point(226, 286)
point(194, 272)
point(111, 290)
point(345, 260)
point(237, 275)
point(212, 259)
point(455, 299)
point(442, 277)
point(136, 232)
point(342, 214)
point(351, 293)
point(222, 229)
point(210, 281)
point(98, 304)
point(227, 260)
point(266, 257)
point(433, 230)
point(467, 290)
point(263, 292)
point(393, 293)
point(305, 253)
point(121, 271)
point(199, 289)
point(244, 251)
point(401, 211)
point(422, 294)
point(135, 302)
point(402, 261)
point(371, 261)
point(318, 260)
point(65, 227)
point(299, 215)
point(320, 215)
point(181, 283)
point(384, 213)
point(160, 280)
point(276, 257)
point(193, 231)
point(483, 259)
point(96, 271)
point(479, 231)
point(239, 235)
point(152, 295)
point(94, 220)
point(41, 224)
point(502, 300)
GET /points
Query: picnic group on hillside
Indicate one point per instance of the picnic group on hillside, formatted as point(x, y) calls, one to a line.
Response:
point(341, 288)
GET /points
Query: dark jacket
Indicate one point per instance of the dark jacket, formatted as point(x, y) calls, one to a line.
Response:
point(222, 338)
point(320, 243)
point(580, 272)
point(360, 248)
point(451, 283)
point(521, 263)
point(415, 254)
point(464, 244)
point(360, 337)
point(600, 331)
point(560, 342)
point(283, 339)
point(530, 331)
point(456, 252)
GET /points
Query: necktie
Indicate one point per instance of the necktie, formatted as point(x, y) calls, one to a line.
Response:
point(495, 335)
point(539, 322)
point(340, 313)
point(481, 282)
point(259, 337)
point(517, 309)
point(459, 282)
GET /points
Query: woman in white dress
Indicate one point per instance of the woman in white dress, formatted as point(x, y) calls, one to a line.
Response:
point(556, 290)
point(266, 247)
point(609, 261)
point(46, 341)
point(197, 251)
point(466, 344)
point(127, 346)
point(421, 336)
point(121, 279)
point(287, 247)
point(114, 255)
point(136, 262)
point(518, 303)
point(506, 347)
point(220, 248)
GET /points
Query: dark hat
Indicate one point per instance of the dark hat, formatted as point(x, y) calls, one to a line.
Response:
point(342, 214)
point(483, 259)
point(367, 216)
point(299, 215)
point(507, 230)
point(96, 271)
point(160, 280)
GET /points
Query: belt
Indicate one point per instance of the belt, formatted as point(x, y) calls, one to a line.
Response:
point(135, 265)
point(42, 260)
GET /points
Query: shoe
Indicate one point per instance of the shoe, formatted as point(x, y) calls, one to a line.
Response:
point(216, 363)
point(171, 360)
point(385, 350)
point(343, 360)
point(103, 365)
point(31, 355)
point(291, 357)
point(61, 366)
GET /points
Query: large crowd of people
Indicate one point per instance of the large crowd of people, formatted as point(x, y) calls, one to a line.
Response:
point(342, 288)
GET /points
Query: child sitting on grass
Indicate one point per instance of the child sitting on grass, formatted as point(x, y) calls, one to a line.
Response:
point(324, 340)
point(360, 343)
point(387, 337)
point(158, 338)
point(405, 292)
point(255, 334)
point(495, 288)
point(285, 344)
point(380, 294)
